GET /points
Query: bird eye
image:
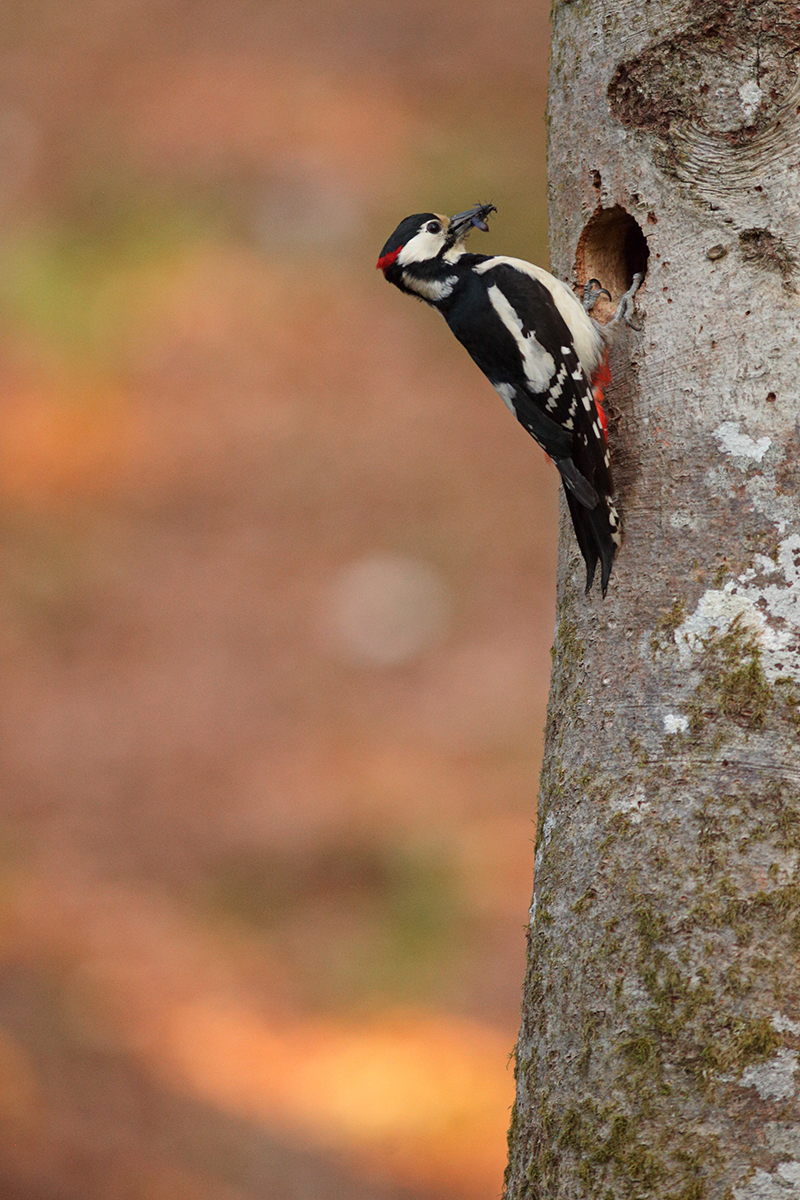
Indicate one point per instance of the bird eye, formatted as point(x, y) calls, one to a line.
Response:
point(433, 227)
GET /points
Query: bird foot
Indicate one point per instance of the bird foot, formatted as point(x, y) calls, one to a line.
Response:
point(592, 291)
point(626, 306)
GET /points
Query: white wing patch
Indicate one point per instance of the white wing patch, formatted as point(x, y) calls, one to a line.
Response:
point(556, 390)
point(587, 339)
point(538, 364)
point(506, 393)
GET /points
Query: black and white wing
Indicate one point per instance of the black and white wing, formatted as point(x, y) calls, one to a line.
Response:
point(539, 354)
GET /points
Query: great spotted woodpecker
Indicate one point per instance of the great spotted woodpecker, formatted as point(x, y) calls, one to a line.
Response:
point(537, 345)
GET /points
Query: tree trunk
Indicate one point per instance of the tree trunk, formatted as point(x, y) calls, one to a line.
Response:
point(658, 1054)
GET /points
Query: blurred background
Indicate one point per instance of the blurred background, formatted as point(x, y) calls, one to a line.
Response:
point(276, 602)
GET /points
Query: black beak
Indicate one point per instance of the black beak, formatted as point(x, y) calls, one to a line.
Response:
point(461, 224)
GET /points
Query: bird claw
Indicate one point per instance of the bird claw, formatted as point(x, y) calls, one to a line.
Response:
point(592, 291)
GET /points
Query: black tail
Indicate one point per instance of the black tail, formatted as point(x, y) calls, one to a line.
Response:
point(597, 532)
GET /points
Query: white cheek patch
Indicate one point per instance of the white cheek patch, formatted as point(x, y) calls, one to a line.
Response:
point(539, 366)
point(422, 247)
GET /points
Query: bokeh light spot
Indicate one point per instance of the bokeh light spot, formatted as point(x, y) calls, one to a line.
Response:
point(385, 610)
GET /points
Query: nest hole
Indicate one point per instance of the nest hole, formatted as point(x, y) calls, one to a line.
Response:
point(612, 248)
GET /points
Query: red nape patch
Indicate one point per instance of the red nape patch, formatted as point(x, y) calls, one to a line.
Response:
point(600, 380)
point(384, 263)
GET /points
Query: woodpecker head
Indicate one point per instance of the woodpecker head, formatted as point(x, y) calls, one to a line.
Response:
point(424, 244)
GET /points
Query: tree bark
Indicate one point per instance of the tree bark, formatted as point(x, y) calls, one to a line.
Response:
point(659, 1049)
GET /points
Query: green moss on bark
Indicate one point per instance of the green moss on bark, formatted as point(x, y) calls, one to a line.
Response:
point(733, 685)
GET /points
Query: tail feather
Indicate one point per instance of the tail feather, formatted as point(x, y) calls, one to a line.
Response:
point(597, 534)
point(575, 483)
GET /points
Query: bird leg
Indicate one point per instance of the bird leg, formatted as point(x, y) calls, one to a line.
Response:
point(625, 308)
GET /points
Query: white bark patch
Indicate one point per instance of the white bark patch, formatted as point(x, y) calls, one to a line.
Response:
point(770, 611)
point(547, 833)
point(783, 1185)
point(782, 1024)
point(682, 520)
point(715, 613)
point(738, 444)
point(634, 807)
point(773, 1080)
point(674, 723)
point(790, 1171)
point(750, 97)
